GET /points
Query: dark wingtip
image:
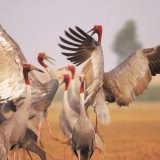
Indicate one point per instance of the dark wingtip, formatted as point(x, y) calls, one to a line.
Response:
point(65, 54)
point(63, 47)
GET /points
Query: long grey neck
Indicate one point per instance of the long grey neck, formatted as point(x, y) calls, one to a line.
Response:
point(82, 109)
point(51, 73)
point(73, 86)
point(27, 102)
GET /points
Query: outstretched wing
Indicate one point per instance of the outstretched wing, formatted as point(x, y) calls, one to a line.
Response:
point(84, 47)
point(131, 77)
point(11, 79)
point(11, 70)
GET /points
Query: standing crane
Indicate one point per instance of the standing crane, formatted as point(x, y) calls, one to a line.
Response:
point(83, 135)
point(68, 117)
point(123, 83)
point(12, 130)
point(67, 122)
point(50, 88)
point(29, 141)
point(74, 102)
point(12, 93)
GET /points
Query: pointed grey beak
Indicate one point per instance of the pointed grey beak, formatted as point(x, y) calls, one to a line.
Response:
point(63, 68)
point(61, 77)
point(82, 78)
point(35, 68)
point(92, 32)
point(59, 69)
point(47, 58)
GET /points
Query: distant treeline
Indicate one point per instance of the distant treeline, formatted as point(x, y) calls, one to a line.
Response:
point(152, 93)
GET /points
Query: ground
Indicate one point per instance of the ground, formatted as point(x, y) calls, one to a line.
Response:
point(134, 133)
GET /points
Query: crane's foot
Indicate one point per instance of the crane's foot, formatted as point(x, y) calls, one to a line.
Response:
point(55, 139)
point(68, 142)
point(39, 145)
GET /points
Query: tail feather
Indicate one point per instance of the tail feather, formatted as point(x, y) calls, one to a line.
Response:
point(100, 108)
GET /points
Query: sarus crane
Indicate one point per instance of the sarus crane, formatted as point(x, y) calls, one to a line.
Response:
point(83, 135)
point(122, 84)
point(68, 116)
point(28, 142)
point(12, 130)
point(73, 99)
point(74, 104)
point(12, 92)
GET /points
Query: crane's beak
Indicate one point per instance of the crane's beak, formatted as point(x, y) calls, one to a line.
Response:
point(35, 68)
point(47, 58)
point(63, 68)
point(61, 77)
point(92, 32)
point(82, 78)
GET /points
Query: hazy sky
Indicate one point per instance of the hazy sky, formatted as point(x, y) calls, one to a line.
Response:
point(37, 24)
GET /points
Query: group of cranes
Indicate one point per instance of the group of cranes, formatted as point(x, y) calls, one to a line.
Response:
point(29, 98)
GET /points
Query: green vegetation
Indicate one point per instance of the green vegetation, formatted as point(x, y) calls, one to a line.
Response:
point(151, 94)
point(126, 42)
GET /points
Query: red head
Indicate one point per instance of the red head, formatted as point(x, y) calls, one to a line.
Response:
point(97, 29)
point(66, 80)
point(43, 56)
point(27, 67)
point(82, 79)
point(72, 69)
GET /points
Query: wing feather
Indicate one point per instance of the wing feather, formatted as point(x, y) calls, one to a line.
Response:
point(132, 76)
point(11, 69)
point(88, 50)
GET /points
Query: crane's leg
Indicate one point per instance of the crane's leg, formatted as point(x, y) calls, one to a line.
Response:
point(38, 141)
point(29, 155)
point(72, 154)
point(64, 149)
point(100, 150)
point(49, 128)
point(50, 132)
point(39, 134)
point(66, 141)
point(14, 155)
point(96, 128)
point(19, 155)
point(24, 154)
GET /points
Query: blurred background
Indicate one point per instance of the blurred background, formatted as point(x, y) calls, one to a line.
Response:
point(127, 25)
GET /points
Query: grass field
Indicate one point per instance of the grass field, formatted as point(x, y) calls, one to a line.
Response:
point(134, 133)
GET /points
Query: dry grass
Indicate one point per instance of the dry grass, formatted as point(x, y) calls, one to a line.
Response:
point(134, 133)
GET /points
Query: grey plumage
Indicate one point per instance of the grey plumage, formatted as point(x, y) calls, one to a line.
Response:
point(122, 84)
point(29, 141)
point(68, 116)
point(83, 135)
point(12, 130)
point(12, 93)
point(12, 84)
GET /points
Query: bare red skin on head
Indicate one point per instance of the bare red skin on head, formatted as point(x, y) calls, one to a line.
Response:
point(40, 59)
point(98, 30)
point(73, 70)
point(26, 69)
point(66, 80)
point(82, 87)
